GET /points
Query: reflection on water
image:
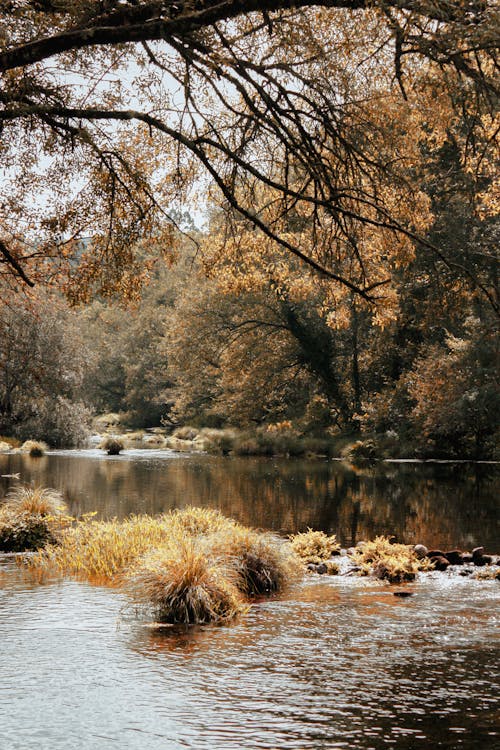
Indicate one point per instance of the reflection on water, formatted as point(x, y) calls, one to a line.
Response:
point(334, 663)
point(442, 505)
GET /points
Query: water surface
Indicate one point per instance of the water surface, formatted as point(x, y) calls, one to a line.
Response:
point(334, 663)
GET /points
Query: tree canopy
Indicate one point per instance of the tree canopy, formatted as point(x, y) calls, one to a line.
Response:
point(308, 124)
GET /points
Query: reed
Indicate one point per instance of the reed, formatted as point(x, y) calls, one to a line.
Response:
point(102, 550)
point(314, 546)
point(195, 521)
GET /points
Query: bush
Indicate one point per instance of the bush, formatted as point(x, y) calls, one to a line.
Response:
point(31, 518)
point(112, 445)
point(183, 585)
point(364, 450)
point(35, 448)
point(59, 421)
point(314, 546)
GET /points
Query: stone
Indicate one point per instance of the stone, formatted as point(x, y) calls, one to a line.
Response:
point(454, 557)
point(420, 551)
point(435, 553)
point(467, 558)
point(482, 560)
point(403, 594)
point(321, 569)
point(440, 562)
point(312, 567)
point(477, 552)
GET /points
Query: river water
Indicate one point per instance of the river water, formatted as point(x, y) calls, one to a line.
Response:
point(335, 662)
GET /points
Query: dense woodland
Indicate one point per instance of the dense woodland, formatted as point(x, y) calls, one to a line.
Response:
point(292, 213)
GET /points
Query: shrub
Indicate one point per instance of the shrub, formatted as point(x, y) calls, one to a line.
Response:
point(59, 421)
point(314, 546)
point(392, 562)
point(365, 450)
point(112, 445)
point(31, 518)
point(183, 585)
point(185, 432)
point(35, 448)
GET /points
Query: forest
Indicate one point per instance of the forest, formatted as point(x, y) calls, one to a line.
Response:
point(275, 218)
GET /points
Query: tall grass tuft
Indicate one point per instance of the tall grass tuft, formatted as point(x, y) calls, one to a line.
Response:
point(31, 518)
point(184, 585)
point(112, 445)
point(314, 546)
point(35, 448)
point(393, 562)
point(261, 563)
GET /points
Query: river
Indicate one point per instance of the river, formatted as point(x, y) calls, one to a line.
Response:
point(333, 663)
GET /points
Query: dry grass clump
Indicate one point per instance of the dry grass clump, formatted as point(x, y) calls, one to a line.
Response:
point(393, 562)
point(35, 448)
point(314, 546)
point(192, 565)
point(194, 521)
point(112, 445)
point(103, 549)
point(490, 574)
point(184, 585)
point(262, 563)
point(31, 518)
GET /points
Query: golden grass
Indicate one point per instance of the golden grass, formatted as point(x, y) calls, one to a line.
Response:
point(393, 562)
point(196, 521)
point(40, 501)
point(262, 563)
point(314, 546)
point(103, 549)
point(30, 518)
point(35, 448)
point(191, 565)
point(184, 585)
point(112, 445)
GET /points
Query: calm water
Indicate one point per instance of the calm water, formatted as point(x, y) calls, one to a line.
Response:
point(334, 663)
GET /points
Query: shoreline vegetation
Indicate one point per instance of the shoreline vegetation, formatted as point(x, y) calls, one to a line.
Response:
point(111, 434)
point(196, 566)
